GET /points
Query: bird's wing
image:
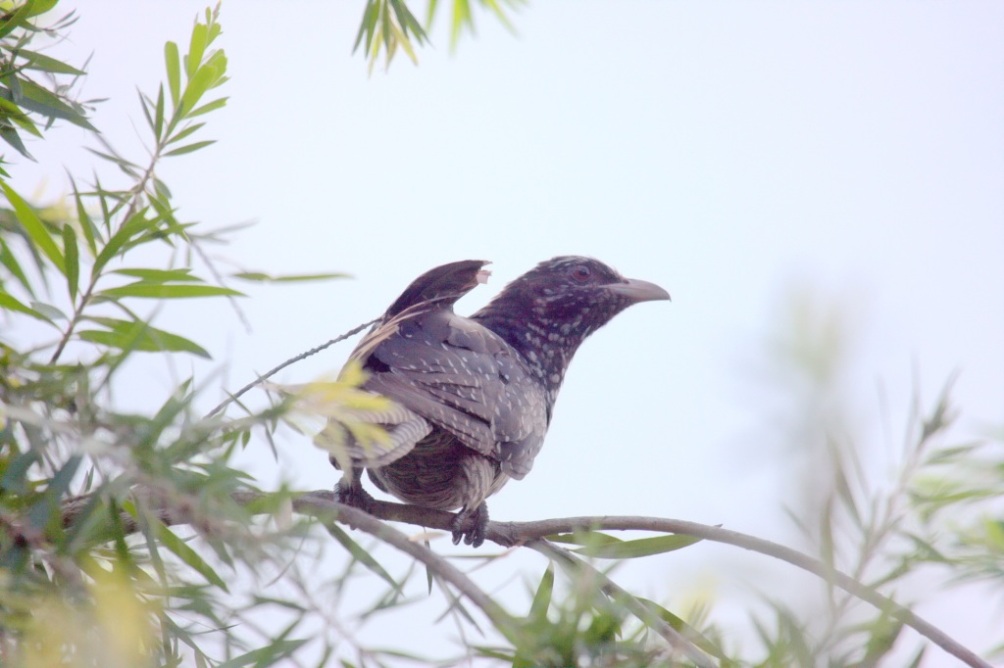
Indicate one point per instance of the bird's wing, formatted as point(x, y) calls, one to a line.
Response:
point(349, 436)
point(465, 380)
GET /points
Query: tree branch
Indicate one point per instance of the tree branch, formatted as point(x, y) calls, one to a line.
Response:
point(324, 504)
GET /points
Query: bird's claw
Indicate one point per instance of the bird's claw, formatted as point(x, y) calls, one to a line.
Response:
point(353, 494)
point(471, 525)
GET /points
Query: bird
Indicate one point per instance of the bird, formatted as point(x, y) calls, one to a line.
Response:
point(472, 397)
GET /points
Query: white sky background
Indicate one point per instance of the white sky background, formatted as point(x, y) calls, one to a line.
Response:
point(731, 152)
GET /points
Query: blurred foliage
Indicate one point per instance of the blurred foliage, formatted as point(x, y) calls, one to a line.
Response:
point(389, 25)
point(128, 539)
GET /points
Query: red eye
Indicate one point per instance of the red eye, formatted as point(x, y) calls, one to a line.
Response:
point(581, 273)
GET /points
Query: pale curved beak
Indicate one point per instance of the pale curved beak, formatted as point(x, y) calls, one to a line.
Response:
point(638, 291)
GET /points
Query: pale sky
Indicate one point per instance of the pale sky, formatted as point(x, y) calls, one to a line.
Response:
point(734, 153)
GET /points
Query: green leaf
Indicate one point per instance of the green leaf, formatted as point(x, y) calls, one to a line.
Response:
point(15, 20)
point(585, 538)
point(173, 62)
point(368, 25)
point(135, 225)
point(189, 148)
point(38, 7)
point(46, 512)
point(10, 303)
point(72, 254)
point(185, 132)
point(208, 106)
point(172, 542)
point(43, 63)
point(359, 554)
point(690, 632)
point(265, 656)
point(10, 135)
point(196, 88)
point(262, 277)
point(84, 218)
point(146, 290)
point(48, 310)
point(8, 260)
point(35, 228)
point(42, 101)
point(138, 335)
point(542, 598)
point(196, 48)
point(159, 275)
point(158, 113)
point(641, 547)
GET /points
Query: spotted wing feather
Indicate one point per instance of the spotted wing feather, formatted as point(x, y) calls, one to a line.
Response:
point(467, 381)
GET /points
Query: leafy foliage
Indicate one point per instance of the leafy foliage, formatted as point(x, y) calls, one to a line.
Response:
point(390, 25)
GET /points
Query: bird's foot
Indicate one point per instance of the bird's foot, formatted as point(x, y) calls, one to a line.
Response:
point(471, 524)
point(351, 493)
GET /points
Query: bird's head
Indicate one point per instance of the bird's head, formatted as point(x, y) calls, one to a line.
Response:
point(548, 311)
point(577, 295)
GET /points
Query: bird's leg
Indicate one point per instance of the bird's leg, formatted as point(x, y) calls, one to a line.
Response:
point(471, 524)
point(349, 491)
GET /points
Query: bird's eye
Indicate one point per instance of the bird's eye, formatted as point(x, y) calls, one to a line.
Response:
point(581, 273)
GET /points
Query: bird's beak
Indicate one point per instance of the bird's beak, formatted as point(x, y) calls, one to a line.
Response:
point(638, 290)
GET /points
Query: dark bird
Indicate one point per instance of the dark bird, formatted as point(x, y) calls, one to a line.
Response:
point(473, 397)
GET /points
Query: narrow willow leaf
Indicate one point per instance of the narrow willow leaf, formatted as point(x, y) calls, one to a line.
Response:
point(461, 17)
point(359, 554)
point(159, 275)
point(184, 132)
point(690, 632)
point(585, 538)
point(196, 88)
point(145, 290)
point(133, 227)
point(48, 310)
point(265, 656)
point(10, 135)
point(401, 39)
point(146, 104)
point(15, 477)
point(189, 148)
point(10, 303)
point(190, 557)
point(196, 48)
point(43, 63)
point(84, 219)
point(33, 225)
point(173, 62)
point(542, 597)
point(72, 254)
point(368, 25)
point(158, 114)
point(641, 547)
point(262, 277)
point(208, 106)
point(15, 19)
point(142, 337)
point(38, 99)
point(39, 7)
point(8, 260)
point(46, 512)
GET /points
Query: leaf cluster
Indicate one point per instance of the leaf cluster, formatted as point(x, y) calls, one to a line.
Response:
point(389, 25)
point(89, 493)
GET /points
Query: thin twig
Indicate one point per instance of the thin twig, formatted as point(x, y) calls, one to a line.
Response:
point(292, 360)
